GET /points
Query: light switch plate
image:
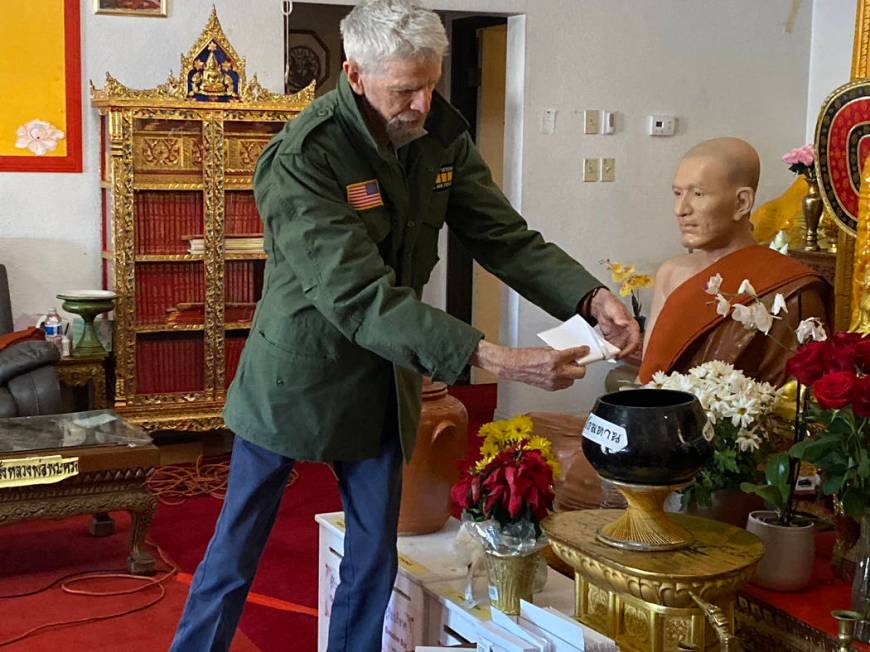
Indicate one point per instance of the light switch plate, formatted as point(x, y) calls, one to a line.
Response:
point(590, 169)
point(608, 169)
point(591, 121)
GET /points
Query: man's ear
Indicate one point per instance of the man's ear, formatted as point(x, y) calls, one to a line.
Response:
point(745, 200)
point(352, 71)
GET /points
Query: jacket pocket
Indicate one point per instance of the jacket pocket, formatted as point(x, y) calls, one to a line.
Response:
point(302, 336)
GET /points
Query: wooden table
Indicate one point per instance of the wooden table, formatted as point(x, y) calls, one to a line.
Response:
point(113, 460)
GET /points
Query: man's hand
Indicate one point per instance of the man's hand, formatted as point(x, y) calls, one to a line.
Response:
point(540, 367)
point(616, 324)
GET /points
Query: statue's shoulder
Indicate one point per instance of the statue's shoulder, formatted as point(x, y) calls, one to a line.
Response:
point(675, 271)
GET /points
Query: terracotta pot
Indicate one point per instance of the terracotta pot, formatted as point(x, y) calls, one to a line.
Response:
point(442, 439)
point(789, 552)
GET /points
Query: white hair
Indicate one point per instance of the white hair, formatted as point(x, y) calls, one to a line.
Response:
point(376, 30)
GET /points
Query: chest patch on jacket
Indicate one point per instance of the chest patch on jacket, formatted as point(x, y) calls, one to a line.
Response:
point(364, 195)
point(445, 178)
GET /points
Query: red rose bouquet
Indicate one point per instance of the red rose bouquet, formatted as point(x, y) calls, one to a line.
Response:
point(505, 495)
point(837, 371)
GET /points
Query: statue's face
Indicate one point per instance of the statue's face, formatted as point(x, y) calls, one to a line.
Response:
point(705, 203)
point(400, 91)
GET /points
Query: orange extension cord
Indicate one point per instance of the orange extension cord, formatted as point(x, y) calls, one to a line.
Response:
point(67, 581)
point(173, 484)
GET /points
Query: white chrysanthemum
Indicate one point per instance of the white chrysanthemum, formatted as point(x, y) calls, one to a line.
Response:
point(748, 440)
point(659, 380)
point(744, 412)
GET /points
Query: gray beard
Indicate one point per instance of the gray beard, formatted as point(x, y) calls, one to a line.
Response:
point(401, 134)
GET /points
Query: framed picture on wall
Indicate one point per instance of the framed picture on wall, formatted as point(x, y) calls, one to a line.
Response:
point(307, 59)
point(131, 7)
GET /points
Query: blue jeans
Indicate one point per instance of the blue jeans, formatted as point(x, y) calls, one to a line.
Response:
point(370, 493)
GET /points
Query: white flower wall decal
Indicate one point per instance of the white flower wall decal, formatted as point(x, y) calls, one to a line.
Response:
point(38, 136)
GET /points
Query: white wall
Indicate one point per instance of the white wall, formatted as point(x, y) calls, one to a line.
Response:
point(833, 32)
point(49, 223)
point(721, 67)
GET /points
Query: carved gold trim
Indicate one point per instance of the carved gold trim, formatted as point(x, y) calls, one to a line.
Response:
point(173, 92)
point(73, 373)
point(213, 139)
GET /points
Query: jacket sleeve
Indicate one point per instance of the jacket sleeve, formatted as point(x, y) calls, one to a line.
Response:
point(501, 241)
point(344, 276)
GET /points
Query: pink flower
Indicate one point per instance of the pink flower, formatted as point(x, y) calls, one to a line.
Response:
point(801, 155)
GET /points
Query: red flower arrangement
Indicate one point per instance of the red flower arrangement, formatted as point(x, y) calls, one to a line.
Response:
point(516, 484)
point(512, 485)
point(837, 371)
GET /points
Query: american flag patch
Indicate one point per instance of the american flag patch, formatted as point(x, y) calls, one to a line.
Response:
point(364, 195)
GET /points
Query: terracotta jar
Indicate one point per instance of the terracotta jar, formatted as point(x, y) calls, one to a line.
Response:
point(442, 439)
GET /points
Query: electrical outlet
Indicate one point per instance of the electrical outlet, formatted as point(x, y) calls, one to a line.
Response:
point(590, 169)
point(608, 169)
point(591, 121)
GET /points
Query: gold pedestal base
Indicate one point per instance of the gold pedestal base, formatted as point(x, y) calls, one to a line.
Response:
point(644, 600)
point(644, 525)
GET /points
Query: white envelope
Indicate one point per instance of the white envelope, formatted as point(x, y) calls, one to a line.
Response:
point(577, 332)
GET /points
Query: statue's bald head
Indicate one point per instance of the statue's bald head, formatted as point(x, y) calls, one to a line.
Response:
point(737, 157)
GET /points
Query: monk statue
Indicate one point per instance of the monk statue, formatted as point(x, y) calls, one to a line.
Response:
point(714, 190)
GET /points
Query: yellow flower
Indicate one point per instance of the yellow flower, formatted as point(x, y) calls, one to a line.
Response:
point(620, 272)
point(482, 463)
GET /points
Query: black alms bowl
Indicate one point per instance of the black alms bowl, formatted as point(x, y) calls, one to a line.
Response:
point(664, 429)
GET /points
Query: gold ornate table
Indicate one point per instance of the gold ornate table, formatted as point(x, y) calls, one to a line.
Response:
point(644, 600)
point(104, 462)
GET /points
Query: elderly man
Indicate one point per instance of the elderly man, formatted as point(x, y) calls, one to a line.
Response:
point(714, 190)
point(353, 193)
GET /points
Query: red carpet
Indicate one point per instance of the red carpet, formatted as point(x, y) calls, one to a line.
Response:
point(35, 553)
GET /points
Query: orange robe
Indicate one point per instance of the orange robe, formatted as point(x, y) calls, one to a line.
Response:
point(689, 332)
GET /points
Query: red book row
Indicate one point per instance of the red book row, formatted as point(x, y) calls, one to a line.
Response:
point(170, 363)
point(243, 281)
point(233, 345)
point(162, 286)
point(240, 214)
point(163, 218)
point(164, 291)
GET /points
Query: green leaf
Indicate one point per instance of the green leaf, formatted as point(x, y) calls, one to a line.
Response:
point(854, 502)
point(769, 494)
point(776, 473)
point(833, 484)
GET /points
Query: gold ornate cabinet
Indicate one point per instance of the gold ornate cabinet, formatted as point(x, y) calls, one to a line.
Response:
point(182, 240)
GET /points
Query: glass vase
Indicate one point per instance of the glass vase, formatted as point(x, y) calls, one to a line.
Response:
point(861, 580)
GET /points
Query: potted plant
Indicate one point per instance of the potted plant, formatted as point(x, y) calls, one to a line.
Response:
point(788, 538)
point(743, 431)
point(504, 496)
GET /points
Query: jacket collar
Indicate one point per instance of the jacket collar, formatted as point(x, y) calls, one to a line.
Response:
point(444, 122)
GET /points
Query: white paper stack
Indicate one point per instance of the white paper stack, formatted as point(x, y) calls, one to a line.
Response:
point(577, 332)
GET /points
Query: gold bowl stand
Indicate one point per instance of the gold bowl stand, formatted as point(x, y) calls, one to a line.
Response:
point(646, 600)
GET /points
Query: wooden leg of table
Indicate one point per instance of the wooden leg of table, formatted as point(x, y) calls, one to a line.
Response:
point(140, 561)
point(102, 525)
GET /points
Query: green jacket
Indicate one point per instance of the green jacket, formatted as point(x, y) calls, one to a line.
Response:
point(340, 322)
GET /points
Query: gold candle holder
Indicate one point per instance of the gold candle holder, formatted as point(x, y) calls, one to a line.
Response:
point(846, 621)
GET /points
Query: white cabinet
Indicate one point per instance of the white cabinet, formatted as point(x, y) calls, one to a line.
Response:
point(427, 606)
